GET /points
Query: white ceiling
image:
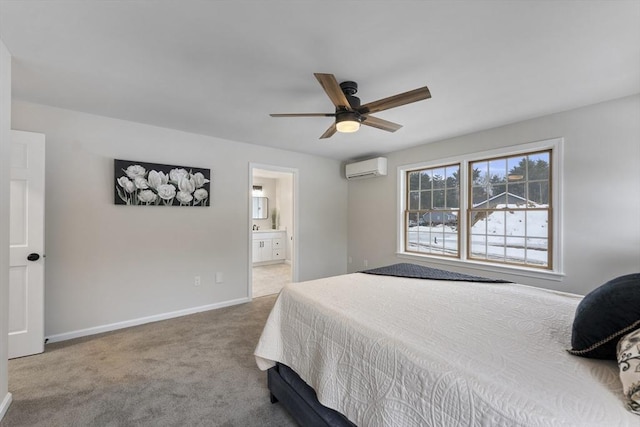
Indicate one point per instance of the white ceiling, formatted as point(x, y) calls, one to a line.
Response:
point(220, 67)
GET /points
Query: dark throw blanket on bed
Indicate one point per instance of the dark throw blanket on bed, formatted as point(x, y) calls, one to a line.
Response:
point(420, 272)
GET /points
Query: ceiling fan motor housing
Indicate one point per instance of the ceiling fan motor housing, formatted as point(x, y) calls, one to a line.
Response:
point(349, 89)
point(348, 120)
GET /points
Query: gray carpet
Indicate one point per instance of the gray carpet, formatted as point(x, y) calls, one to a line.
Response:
point(195, 370)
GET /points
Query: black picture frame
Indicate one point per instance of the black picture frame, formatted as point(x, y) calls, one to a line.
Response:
point(153, 184)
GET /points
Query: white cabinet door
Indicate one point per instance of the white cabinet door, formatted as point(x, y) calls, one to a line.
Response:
point(265, 250)
point(26, 245)
point(262, 250)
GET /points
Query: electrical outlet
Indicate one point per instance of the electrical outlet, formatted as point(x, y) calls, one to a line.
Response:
point(366, 263)
point(196, 281)
point(219, 277)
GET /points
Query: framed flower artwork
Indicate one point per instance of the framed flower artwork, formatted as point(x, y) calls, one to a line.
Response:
point(152, 184)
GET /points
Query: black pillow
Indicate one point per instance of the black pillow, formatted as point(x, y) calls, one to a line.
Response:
point(604, 316)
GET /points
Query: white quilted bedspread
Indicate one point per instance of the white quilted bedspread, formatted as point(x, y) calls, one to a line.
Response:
point(388, 351)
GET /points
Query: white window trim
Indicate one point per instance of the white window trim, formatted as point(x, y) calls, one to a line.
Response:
point(555, 144)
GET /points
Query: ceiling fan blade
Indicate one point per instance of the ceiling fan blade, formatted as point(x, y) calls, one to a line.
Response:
point(329, 132)
point(333, 90)
point(396, 100)
point(304, 115)
point(380, 123)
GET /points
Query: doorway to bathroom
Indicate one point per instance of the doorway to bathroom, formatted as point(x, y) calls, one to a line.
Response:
point(272, 216)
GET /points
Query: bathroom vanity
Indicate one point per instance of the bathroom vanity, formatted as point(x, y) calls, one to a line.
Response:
point(269, 247)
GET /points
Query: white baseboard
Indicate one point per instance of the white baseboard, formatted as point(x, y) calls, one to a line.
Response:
point(4, 406)
point(141, 321)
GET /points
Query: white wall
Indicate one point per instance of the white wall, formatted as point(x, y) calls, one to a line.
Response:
point(5, 130)
point(108, 263)
point(601, 192)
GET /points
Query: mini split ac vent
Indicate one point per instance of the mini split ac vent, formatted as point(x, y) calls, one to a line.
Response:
point(366, 168)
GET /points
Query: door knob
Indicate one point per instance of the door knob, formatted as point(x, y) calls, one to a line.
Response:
point(33, 257)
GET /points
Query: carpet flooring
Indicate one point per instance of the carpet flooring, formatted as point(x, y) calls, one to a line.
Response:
point(196, 370)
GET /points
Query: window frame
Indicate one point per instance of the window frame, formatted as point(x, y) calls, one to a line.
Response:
point(408, 211)
point(471, 209)
point(555, 269)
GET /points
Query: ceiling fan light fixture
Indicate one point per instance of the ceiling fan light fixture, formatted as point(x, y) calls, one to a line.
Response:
point(348, 122)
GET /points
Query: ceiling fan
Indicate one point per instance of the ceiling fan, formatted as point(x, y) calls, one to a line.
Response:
point(349, 114)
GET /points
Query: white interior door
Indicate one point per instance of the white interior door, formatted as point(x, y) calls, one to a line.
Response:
point(26, 268)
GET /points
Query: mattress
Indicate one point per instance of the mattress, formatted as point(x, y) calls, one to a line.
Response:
point(403, 351)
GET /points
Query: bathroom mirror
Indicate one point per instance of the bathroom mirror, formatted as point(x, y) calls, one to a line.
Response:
point(260, 208)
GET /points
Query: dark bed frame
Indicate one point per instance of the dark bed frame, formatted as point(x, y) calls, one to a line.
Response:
point(300, 400)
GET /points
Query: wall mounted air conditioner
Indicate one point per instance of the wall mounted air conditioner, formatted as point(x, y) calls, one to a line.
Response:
point(367, 168)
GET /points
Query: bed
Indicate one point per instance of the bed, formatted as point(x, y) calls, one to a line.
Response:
point(382, 350)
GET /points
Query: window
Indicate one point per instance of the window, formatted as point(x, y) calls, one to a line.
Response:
point(433, 201)
point(509, 210)
point(493, 208)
